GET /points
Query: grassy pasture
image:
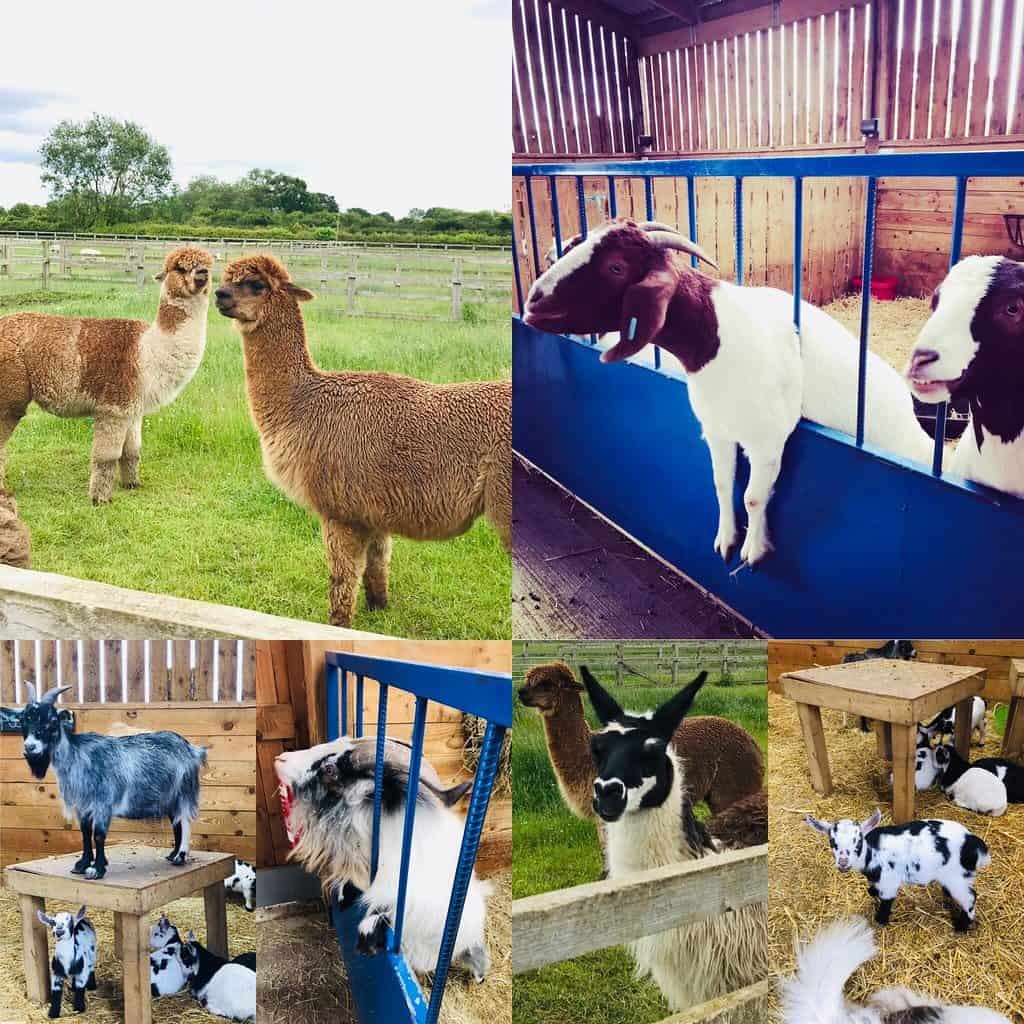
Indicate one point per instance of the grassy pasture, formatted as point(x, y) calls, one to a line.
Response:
point(554, 850)
point(206, 523)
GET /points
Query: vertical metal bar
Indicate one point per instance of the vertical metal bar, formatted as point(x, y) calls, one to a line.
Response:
point(331, 699)
point(378, 776)
point(533, 227)
point(613, 202)
point(555, 217)
point(485, 774)
point(798, 248)
point(359, 706)
point(739, 229)
point(344, 702)
point(691, 209)
point(418, 728)
point(515, 263)
point(954, 257)
point(649, 198)
point(865, 303)
point(581, 201)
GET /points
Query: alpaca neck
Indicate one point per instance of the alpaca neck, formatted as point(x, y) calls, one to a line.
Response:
point(653, 837)
point(568, 739)
point(172, 348)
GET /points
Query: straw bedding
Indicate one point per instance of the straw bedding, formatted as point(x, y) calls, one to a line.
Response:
point(894, 325)
point(919, 948)
point(106, 1004)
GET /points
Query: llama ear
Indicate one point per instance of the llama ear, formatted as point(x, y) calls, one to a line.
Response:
point(605, 705)
point(870, 824)
point(821, 826)
point(644, 308)
point(297, 292)
point(667, 718)
point(160, 276)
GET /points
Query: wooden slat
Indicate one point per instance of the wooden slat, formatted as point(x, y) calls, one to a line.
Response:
point(567, 76)
point(959, 126)
point(598, 138)
point(227, 669)
point(17, 795)
point(112, 663)
point(678, 102)
point(7, 688)
point(181, 671)
point(903, 109)
point(1005, 46)
point(15, 769)
point(925, 59)
point(220, 748)
point(204, 669)
point(531, 133)
point(48, 663)
point(23, 844)
point(135, 659)
point(614, 94)
point(942, 69)
point(630, 98)
point(601, 84)
point(159, 670)
point(67, 655)
point(979, 92)
point(25, 651)
point(828, 61)
point(719, 84)
point(658, 105)
point(588, 144)
point(700, 110)
point(1017, 127)
point(544, 30)
point(248, 658)
point(275, 722)
point(815, 134)
point(844, 74)
point(536, 75)
point(742, 113)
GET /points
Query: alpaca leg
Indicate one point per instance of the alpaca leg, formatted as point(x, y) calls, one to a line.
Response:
point(764, 471)
point(8, 421)
point(498, 500)
point(375, 579)
point(108, 439)
point(131, 454)
point(346, 562)
point(723, 468)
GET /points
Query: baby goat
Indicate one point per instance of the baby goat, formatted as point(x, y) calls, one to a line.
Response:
point(151, 775)
point(750, 377)
point(973, 788)
point(917, 853)
point(944, 723)
point(170, 961)
point(74, 957)
point(226, 988)
point(243, 882)
point(814, 995)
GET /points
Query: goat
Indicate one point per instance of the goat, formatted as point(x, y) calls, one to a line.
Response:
point(332, 813)
point(74, 957)
point(170, 961)
point(243, 882)
point(814, 995)
point(1008, 772)
point(749, 376)
point(944, 723)
point(915, 853)
point(223, 987)
point(974, 789)
point(640, 794)
point(971, 347)
point(152, 775)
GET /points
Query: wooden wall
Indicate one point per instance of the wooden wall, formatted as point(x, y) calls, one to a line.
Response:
point(992, 655)
point(32, 824)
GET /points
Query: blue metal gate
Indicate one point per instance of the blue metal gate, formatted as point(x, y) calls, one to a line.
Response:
point(384, 989)
point(867, 544)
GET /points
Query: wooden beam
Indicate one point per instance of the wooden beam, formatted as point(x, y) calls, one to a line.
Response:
point(597, 11)
point(567, 923)
point(685, 9)
point(715, 1009)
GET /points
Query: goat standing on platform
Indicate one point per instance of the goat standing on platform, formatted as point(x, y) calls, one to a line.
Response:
point(151, 775)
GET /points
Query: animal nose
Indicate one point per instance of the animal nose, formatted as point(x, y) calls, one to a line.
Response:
point(922, 357)
point(222, 294)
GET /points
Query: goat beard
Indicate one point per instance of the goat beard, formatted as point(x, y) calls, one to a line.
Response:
point(39, 764)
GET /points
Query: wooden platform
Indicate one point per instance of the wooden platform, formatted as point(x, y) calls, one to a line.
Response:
point(575, 575)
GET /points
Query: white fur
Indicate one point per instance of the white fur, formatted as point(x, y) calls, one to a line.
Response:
point(925, 769)
point(243, 882)
point(980, 791)
point(68, 946)
point(170, 360)
point(231, 993)
point(579, 255)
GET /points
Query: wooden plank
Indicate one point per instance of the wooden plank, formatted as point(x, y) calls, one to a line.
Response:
point(15, 770)
point(159, 670)
point(814, 64)
point(205, 655)
point(723, 1007)
point(925, 60)
point(598, 138)
point(858, 59)
point(567, 923)
point(181, 672)
point(721, 98)
point(247, 656)
point(536, 76)
point(48, 663)
point(844, 75)
point(25, 651)
point(68, 843)
point(135, 660)
point(215, 823)
point(46, 797)
point(614, 96)
point(227, 669)
point(275, 722)
point(828, 62)
point(658, 104)
point(588, 143)
point(742, 84)
point(678, 101)
point(567, 80)
point(959, 116)
point(1005, 46)
point(219, 748)
point(903, 752)
point(199, 718)
point(544, 29)
point(531, 133)
point(942, 69)
point(36, 956)
point(815, 748)
point(903, 107)
point(983, 11)
point(273, 837)
point(8, 692)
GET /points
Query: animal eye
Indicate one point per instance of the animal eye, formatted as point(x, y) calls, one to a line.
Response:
point(618, 269)
point(1013, 309)
point(256, 286)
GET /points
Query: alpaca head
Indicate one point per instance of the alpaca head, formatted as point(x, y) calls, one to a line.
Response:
point(547, 686)
point(254, 288)
point(635, 769)
point(186, 272)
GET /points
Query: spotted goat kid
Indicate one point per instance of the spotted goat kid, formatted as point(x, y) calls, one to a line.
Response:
point(916, 853)
point(74, 957)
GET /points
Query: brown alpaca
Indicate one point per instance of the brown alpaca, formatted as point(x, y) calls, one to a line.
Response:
point(723, 762)
point(15, 540)
point(115, 371)
point(371, 454)
point(742, 824)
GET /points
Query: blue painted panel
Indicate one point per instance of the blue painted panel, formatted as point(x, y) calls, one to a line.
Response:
point(865, 545)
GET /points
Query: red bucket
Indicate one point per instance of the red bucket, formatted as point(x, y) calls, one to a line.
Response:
point(883, 288)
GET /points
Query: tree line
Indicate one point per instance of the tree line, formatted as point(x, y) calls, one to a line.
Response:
point(105, 175)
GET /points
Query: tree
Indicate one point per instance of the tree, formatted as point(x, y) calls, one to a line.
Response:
point(104, 169)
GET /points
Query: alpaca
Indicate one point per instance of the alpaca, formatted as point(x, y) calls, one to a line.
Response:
point(115, 371)
point(15, 540)
point(640, 793)
point(722, 761)
point(371, 454)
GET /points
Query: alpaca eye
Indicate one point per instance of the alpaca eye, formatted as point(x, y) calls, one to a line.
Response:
point(617, 269)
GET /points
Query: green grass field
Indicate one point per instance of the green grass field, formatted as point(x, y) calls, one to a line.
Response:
point(206, 523)
point(554, 850)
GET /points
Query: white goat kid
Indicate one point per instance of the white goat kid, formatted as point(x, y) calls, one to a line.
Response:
point(74, 957)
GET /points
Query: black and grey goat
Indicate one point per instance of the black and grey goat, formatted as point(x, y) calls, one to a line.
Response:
point(151, 775)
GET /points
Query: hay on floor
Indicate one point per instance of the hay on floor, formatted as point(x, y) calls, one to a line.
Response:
point(301, 976)
point(918, 948)
point(894, 325)
point(106, 1004)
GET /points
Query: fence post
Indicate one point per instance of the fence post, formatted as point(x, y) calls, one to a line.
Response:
point(457, 290)
point(46, 273)
point(140, 271)
point(323, 274)
point(352, 284)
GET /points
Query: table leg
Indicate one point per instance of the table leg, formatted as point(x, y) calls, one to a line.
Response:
point(118, 937)
point(817, 753)
point(962, 737)
point(34, 948)
point(1013, 739)
point(135, 967)
point(883, 738)
point(904, 739)
point(216, 919)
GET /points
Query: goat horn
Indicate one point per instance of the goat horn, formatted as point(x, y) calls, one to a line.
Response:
point(656, 225)
point(32, 692)
point(673, 240)
point(50, 697)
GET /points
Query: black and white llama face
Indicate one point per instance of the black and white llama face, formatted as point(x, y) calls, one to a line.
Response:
point(846, 839)
point(635, 771)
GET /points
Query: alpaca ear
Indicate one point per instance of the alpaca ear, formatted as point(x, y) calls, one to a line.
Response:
point(298, 293)
point(644, 308)
point(821, 826)
point(605, 705)
point(160, 276)
point(667, 718)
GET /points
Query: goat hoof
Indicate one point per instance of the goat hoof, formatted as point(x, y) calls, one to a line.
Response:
point(725, 544)
point(961, 923)
point(80, 867)
point(94, 873)
point(372, 936)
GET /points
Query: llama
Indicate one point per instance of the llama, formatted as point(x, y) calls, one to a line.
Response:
point(641, 795)
point(116, 371)
point(74, 957)
point(370, 454)
point(151, 775)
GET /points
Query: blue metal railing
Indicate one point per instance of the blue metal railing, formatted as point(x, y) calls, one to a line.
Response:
point(960, 166)
point(383, 986)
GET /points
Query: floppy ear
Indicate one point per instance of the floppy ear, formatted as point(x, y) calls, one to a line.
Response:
point(80, 915)
point(644, 308)
point(48, 921)
point(297, 292)
point(821, 826)
point(871, 823)
point(667, 718)
point(605, 705)
point(160, 276)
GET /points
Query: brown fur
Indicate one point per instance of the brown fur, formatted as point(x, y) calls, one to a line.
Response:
point(15, 540)
point(83, 366)
point(742, 824)
point(722, 761)
point(371, 454)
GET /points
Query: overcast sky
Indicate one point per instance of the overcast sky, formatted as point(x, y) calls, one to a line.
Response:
point(386, 105)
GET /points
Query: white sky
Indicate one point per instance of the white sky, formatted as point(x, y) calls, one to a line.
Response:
point(386, 105)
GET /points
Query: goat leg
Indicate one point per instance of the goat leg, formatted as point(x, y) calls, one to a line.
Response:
point(77, 998)
point(173, 855)
point(882, 912)
point(723, 468)
point(476, 961)
point(56, 988)
point(91, 983)
point(372, 934)
point(99, 866)
point(80, 865)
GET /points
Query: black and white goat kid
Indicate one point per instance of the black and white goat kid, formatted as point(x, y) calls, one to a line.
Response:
point(170, 960)
point(150, 775)
point(641, 794)
point(226, 988)
point(972, 787)
point(74, 957)
point(243, 883)
point(916, 853)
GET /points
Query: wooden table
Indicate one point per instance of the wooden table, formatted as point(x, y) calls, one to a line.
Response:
point(138, 880)
point(1013, 738)
point(898, 695)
